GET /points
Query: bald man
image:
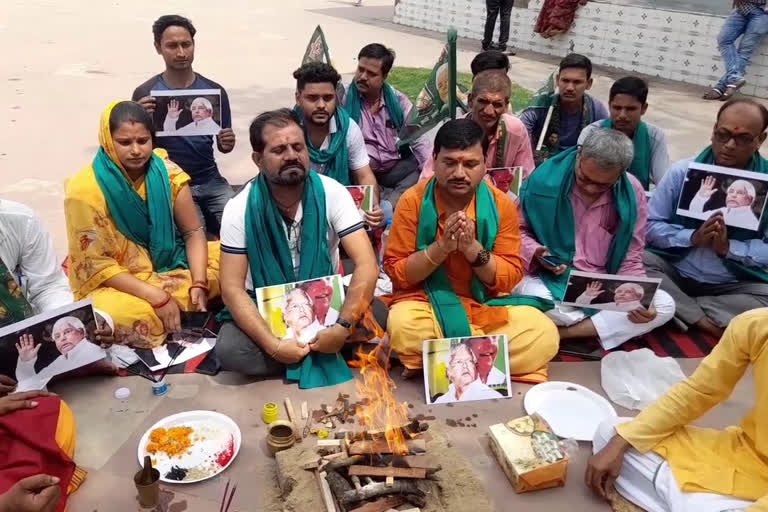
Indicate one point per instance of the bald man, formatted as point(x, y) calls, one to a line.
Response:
point(202, 118)
point(626, 297)
point(508, 142)
point(712, 270)
point(738, 202)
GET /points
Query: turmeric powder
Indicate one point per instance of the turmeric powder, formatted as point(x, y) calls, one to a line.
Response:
point(173, 441)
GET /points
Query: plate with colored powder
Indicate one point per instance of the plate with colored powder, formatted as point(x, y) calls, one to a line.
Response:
point(191, 446)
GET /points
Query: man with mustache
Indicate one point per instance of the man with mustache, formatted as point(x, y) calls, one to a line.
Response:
point(628, 102)
point(453, 254)
point(582, 210)
point(380, 110)
point(573, 111)
point(175, 41)
point(485, 351)
point(506, 136)
point(286, 226)
point(335, 143)
point(465, 381)
point(713, 271)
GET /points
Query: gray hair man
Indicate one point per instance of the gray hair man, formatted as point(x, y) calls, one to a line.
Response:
point(582, 210)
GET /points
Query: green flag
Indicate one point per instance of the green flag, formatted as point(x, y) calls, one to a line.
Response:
point(433, 102)
point(545, 96)
point(317, 49)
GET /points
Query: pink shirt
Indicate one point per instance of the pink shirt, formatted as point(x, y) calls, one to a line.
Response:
point(596, 225)
point(518, 152)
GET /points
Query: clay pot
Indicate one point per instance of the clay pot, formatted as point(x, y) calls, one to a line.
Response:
point(280, 436)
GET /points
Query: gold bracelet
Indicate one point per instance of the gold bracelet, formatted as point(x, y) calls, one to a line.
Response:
point(426, 255)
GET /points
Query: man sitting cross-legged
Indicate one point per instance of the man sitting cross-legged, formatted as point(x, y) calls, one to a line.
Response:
point(335, 143)
point(453, 253)
point(582, 210)
point(663, 463)
point(285, 226)
point(508, 142)
point(380, 110)
point(713, 271)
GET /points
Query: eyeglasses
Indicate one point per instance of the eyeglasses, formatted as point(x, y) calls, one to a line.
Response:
point(584, 180)
point(742, 139)
point(466, 363)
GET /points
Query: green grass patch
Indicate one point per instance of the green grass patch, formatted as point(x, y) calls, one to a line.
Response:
point(410, 81)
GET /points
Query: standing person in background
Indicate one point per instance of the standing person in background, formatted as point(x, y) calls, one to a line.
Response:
point(175, 42)
point(628, 102)
point(380, 110)
point(492, 9)
point(748, 21)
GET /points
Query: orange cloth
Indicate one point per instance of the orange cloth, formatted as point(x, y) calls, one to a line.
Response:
point(402, 243)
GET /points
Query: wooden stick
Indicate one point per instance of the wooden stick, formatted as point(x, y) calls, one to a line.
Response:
point(292, 419)
point(381, 505)
point(380, 446)
point(342, 463)
point(356, 482)
point(390, 482)
point(406, 488)
point(324, 443)
point(417, 461)
point(388, 472)
point(325, 491)
point(304, 410)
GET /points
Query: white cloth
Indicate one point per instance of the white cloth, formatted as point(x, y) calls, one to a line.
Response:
point(27, 248)
point(475, 391)
point(84, 353)
point(742, 216)
point(205, 127)
point(586, 300)
point(340, 211)
point(496, 377)
point(647, 481)
point(613, 327)
point(356, 152)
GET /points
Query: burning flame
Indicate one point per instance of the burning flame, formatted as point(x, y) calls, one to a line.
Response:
point(379, 410)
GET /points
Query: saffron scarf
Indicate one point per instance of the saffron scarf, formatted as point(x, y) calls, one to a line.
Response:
point(545, 199)
point(270, 262)
point(149, 223)
point(641, 163)
point(353, 104)
point(335, 159)
point(448, 309)
point(757, 164)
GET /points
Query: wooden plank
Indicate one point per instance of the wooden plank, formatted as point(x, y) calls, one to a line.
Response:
point(324, 443)
point(311, 462)
point(390, 482)
point(304, 410)
point(381, 504)
point(380, 446)
point(388, 472)
point(292, 418)
point(416, 461)
point(325, 490)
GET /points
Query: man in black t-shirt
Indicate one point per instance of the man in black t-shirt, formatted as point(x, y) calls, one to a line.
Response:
point(175, 42)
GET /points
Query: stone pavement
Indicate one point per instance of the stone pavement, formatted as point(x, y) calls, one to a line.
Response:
point(78, 58)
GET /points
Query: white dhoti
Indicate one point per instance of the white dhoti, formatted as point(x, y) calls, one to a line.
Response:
point(613, 327)
point(647, 481)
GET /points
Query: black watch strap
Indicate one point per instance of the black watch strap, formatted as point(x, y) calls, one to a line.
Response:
point(482, 258)
point(344, 323)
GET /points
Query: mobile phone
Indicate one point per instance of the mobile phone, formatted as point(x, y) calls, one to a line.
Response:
point(195, 320)
point(551, 260)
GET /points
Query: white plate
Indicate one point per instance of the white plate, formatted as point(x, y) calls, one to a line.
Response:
point(572, 410)
point(216, 429)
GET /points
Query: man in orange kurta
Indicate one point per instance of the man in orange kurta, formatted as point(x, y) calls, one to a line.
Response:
point(457, 192)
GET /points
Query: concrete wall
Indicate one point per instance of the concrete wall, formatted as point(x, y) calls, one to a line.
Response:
point(674, 45)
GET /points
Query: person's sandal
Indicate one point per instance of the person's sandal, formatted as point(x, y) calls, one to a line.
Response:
point(713, 94)
point(732, 89)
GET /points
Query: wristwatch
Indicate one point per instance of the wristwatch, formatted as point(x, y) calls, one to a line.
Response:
point(344, 324)
point(482, 258)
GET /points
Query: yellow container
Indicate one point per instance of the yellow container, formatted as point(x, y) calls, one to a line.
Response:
point(270, 413)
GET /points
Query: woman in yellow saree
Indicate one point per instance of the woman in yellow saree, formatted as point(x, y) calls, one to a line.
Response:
point(136, 244)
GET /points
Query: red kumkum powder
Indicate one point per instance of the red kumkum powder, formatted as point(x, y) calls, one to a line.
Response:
point(223, 457)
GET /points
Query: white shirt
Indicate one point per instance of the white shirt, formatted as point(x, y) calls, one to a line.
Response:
point(475, 391)
point(84, 353)
point(742, 216)
point(496, 378)
point(357, 154)
point(340, 211)
point(205, 127)
point(26, 248)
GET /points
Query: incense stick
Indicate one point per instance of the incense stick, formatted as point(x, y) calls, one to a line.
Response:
point(234, 488)
point(224, 498)
point(165, 371)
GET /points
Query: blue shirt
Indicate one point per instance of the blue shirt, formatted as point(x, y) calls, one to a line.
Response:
point(194, 154)
point(701, 264)
point(570, 123)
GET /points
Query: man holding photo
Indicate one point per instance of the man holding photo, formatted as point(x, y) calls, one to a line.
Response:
point(582, 209)
point(713, 271)
point(175, 41)
point(286, 226)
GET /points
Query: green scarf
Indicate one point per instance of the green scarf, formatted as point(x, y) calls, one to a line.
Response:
point(336, 157)
point(757, 164)
point(549, 150)
point(545, 200)
point(448, 309)
point(149, 223)
point(269, 259)
point(641, 163)
point(353, 104)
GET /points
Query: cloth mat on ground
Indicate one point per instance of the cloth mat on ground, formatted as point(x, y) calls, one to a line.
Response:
point(666, 341)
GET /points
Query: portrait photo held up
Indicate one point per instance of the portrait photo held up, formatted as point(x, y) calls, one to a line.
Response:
point(363, 197)
point(609, 291)
point(49, 344)
point(506, 179)
point(739, 195)
point(465, 369)
point(300, 310)
point(187, 112)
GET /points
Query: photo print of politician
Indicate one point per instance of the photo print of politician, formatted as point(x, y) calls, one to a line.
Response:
point(185, 112)
point(609, 291)
point(740, 196)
